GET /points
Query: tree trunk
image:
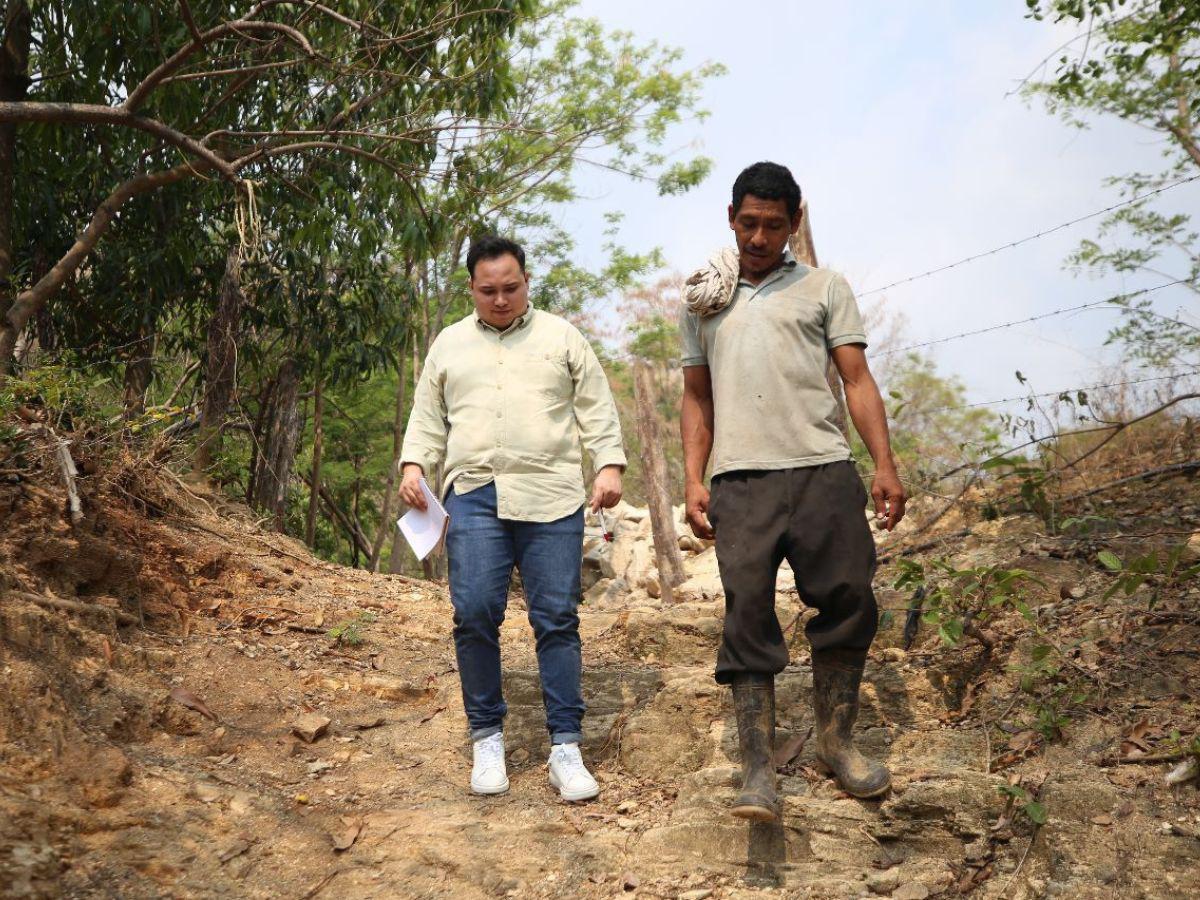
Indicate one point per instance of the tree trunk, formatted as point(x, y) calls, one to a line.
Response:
point(282, 432)
point(265, 399)
point(354, 510)
point(139, 369)
point(654, 476)
point(803, 249)
point(14, 84)
point(221, 374)
point(310, 524)
point(386, 526)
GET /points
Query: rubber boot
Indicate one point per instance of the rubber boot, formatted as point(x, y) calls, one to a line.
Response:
point(837, 675)
point(754, 702)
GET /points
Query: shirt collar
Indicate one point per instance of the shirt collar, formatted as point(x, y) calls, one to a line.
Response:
point(789, 264)
point(517, 324)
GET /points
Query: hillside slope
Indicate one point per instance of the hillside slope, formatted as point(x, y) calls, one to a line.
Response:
point(159, 656)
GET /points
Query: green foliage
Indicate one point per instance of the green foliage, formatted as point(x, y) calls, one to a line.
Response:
point(1024, 803)
point(349, 632)
point(481, 116)
point(1159, 574)
point(960, 602)
point(1139, 63)
point(1032, 479)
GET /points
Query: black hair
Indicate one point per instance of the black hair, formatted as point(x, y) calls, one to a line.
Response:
point(767, 181)
point(491, 246)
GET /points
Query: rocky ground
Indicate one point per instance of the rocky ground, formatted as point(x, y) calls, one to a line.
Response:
point(179, 719)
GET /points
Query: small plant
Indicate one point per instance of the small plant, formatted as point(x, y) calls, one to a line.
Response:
point(1032, 479)
point(962, 601)
point(1051, 697)
point(1085, 525)
point(349, 632)
point(1160, 574)
point(1020, 801)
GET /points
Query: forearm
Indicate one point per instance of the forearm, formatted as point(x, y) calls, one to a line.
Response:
point(696, 431)
point(869, 415)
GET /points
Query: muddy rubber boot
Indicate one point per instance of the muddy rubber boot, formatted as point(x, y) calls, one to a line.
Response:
point(837, 675)
point(754, 702)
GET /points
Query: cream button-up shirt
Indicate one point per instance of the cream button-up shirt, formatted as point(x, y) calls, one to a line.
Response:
point(516, 407)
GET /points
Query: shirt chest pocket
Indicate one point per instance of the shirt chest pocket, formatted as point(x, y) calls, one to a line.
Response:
point(546, 374)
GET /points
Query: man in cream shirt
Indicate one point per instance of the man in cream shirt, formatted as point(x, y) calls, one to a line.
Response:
point(509, 398)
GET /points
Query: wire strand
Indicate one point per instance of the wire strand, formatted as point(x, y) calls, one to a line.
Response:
point(1046, 315)
point(1032, 237)
point(1074, 390)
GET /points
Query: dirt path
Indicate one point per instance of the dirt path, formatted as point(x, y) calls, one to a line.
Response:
point(109, 788)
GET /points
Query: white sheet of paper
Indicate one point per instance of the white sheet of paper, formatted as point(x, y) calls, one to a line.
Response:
point(424, 530)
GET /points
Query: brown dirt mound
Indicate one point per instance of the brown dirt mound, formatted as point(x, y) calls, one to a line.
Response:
point(156, 656)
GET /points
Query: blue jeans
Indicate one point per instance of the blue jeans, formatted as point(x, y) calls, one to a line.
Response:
point(483, 549)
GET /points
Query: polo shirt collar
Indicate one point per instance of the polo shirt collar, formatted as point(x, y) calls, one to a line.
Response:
point(517, 324)
point(789, 265)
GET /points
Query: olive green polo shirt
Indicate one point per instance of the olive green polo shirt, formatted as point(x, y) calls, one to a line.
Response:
point(517, 407)
point(766, 353)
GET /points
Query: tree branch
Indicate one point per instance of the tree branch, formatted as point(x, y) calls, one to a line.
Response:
point(186, 12)
point(31, 300)
point(238, 27)
point(93, 114)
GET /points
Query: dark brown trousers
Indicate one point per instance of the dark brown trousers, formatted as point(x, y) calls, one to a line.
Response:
point(814, 517)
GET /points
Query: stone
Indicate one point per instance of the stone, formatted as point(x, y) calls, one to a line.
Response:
point(651, 585)
point(883, 882)
point(310, 726)
point(698, 894)
point(388, 687)
point(911, 890)
point(205, 792)
point(1191, 550)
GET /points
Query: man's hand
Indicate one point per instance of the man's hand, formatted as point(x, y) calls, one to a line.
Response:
point(606, 489)
point(410, 487)
point(696, 500)
point(888, 494)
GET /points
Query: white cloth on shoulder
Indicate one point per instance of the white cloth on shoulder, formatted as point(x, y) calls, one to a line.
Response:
point(710, 288)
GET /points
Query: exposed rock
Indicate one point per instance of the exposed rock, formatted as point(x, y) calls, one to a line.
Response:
point(883, 882)
point(310, 726)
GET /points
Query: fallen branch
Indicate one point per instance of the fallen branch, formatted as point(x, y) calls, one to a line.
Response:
point(1149, 759)
point(1175, 469)
point(67, 465)
point(74, 606)
point(924, 545)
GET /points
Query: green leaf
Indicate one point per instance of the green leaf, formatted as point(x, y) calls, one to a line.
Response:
point(1109, 560)
point(1036, 812)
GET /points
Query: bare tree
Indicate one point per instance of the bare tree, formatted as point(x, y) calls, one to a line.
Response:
point(654, 474)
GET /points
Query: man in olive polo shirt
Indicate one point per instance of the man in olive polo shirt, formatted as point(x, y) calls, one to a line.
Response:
point(509, 398)
point(758, 329)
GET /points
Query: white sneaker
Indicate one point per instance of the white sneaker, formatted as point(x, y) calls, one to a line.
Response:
point(488, 774)
point(570, 775)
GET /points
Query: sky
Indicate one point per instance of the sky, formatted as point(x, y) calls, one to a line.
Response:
point(898, 122)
